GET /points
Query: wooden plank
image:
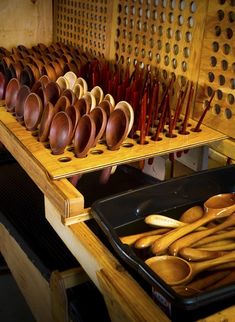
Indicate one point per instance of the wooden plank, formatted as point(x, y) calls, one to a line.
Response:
point(93, 256)
point(66, 198)
point(24, 22)
point(56, 167)
point(226, 147)
point(32, 284)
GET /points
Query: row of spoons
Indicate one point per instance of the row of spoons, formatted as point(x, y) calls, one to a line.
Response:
point(64, 117)
point(197, 243)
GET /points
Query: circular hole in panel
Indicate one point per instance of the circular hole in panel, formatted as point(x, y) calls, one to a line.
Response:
point(135, 62)
point(166, 60)
point(193, 7)
point(119, 8)
point(219, 94)
point(184, 66)
point(217, 109)
point(170, 17)
point(154, 14)
point(116, 45)
point(162, 17)
point(153, 29)
point(145, 27)
point(127, 145)
point(228, 113)
point(213, 61)
point(130, 36)
point(188, 36)
point(140, 12)
point(126, 10)
point(119, 21)
point(221, 79)
point(156, 2)
point(178, 35)
point(217, 31)
point(226, 49)
point(232, 83)
point(129, 49)
point(137, 38)
point(139, 25)
point(167, 47)
point(150, 55)
point(147, 13)
point(224, 64)
point(160, 31)
point(209, 91)
point(186, 52)
point(133, 10)
point(164, 74)
point(215, 46)
point(141, 64)
point(136, 51)
point(164, 3)
point(229, 33)
point(190, 22)
point(182, 5)
point(220, 15)
point(174, 63)
point(64, 159)
point(169, 33)
point(96, 152)
point(151, 42)
point(172, 4)
point(176, 49)
point(132, 23)
point(230, 99)
point(180, 20)
point(159, 44)
point(144, 40)
point(123, 47)
point(124, 32)
point(158, 58)
point(231, 16)
point(143, 53)
point(70, 148)
point(211, 77)
point(221, 1)
point(232, 3)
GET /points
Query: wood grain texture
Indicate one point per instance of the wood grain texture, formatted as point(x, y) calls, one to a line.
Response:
point(55, 167)
point(106, 272)
point(32, 284)
point(25, 22)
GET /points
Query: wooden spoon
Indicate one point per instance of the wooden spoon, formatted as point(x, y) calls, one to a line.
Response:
point(192, 214)
point(163, 221)
point(176, 271)
point(213, 238)
point(190, 239)
point(195, 255)
point(209, 281)
point(131, 239)
point(222, 205)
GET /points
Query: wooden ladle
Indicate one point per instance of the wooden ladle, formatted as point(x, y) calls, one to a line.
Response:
point(176, 271)
point(218, 206)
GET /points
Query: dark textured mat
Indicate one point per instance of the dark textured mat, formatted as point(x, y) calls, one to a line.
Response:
point(22, 208)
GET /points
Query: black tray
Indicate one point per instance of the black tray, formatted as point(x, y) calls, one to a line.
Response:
point(123, 214)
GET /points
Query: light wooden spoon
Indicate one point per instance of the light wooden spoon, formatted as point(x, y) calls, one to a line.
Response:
point(222, 205)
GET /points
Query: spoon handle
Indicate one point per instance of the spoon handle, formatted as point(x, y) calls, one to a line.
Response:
point(146, 241)
point(163, 221)
point(213, 238)
point(190, 239)
point(199, 267)
point(161, 245)
point(131, 239)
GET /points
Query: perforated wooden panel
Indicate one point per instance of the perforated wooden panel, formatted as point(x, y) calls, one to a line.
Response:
point(84, 24)
point(189, 39)
point(217, 70)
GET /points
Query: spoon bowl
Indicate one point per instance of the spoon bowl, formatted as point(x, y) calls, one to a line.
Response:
point(177, 271)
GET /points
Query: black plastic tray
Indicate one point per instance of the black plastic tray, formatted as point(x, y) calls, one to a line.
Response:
point(123, 214)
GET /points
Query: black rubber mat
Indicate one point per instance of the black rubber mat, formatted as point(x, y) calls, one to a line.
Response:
point(22, 212)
